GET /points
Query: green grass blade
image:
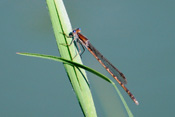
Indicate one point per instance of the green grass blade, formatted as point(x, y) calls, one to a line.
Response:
point(67, 62)
point(86, 68)
point(61, 24)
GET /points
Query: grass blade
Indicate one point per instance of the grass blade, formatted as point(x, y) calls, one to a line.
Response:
point(61, 24)
point(86, 68)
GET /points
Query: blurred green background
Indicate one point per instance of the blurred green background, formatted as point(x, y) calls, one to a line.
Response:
point(136, 36)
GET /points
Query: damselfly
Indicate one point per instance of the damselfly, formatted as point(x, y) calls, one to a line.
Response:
point(116, 74)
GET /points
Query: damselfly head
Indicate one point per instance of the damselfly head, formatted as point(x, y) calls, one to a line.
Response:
point(78, 30)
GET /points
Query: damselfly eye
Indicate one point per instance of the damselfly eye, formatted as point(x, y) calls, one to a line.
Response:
point(74, 31)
